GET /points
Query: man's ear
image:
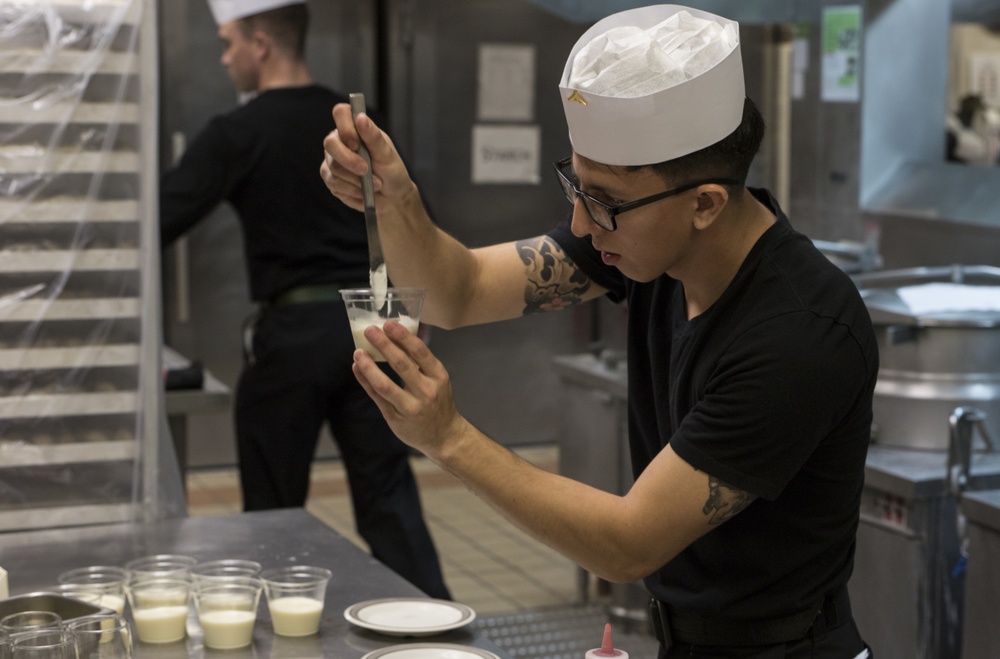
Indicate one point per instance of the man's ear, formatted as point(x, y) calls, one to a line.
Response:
point(262, 44)
point(712, 198)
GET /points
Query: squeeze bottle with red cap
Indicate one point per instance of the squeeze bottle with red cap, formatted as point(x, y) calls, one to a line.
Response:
point(607, 648)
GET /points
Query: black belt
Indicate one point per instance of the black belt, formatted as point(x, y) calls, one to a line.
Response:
point(317, 293)
point(673, 626)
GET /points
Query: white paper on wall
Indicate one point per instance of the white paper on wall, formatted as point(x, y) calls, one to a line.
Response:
point(506, 82)
point(506, 154)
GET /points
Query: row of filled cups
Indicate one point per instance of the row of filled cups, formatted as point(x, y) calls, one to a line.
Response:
point(226, 594)
point(45, 635)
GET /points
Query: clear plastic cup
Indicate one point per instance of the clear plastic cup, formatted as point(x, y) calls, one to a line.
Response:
point(101, 636)
point(161, 565)
point(295, 597)
point(227, 612)
point(402, 304)
point(223, 570)
point(107, 581)
point(45, 643)
point(24, 621)
point(159, 608)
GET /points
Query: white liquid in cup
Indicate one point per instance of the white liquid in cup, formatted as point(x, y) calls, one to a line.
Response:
point(295, 615)
point(227, 629)
point(114, 602)
point(157, 597)
point(362, 320)
point(160, 624)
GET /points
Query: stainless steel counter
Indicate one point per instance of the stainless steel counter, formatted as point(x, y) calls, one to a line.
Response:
point(273, 538)
point(980, 633)
point(213, 396)
point(607, 372)
point(921, 474)
point(908, 587)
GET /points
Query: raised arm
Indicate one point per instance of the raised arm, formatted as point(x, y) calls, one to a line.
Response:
point(465, 286)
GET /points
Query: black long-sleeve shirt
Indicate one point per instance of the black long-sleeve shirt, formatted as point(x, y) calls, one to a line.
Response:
point(264, 158)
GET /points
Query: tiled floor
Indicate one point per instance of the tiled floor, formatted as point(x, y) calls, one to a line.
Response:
point(488, 563)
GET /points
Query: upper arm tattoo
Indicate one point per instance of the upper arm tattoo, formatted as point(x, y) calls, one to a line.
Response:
point(724, 501)
point(554, 281)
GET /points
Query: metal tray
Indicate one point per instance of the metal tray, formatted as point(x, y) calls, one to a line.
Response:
point(67, 607)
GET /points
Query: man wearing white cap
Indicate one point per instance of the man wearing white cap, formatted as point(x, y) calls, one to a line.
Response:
point(301, 246)
point(751, 358)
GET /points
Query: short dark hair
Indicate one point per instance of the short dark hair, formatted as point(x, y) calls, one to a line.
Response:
point(287, 25)
point(730, 157)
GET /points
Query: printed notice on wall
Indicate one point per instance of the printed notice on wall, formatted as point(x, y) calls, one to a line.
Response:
point(800, 60)
point(984, 76)
point(506, 154)
point(841, 53)
point(506, 82)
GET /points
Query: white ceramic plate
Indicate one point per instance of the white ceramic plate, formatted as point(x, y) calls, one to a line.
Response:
point(430, 651)
point(415, 616)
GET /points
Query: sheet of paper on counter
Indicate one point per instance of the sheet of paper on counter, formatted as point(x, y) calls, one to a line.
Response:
point(944, 297)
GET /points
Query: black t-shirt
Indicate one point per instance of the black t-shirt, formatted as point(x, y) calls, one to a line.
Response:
point(770, 391)
point(263, 158)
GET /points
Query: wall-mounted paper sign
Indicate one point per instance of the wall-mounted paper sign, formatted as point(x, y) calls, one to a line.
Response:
point(841, 53)
point(506, 82)
point(506, 154)
point(984, 76)
point(800, 64)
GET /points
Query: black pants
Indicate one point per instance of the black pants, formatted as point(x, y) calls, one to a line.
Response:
point(840, 642)
point(298, 377)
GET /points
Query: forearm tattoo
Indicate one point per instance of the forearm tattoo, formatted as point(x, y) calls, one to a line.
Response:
point(724, 501)
point(554, 281)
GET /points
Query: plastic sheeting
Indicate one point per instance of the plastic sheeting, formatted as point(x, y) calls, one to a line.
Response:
point(80, 401)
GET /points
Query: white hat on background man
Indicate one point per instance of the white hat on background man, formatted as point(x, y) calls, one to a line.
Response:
point(230, 10)
point(652, 84)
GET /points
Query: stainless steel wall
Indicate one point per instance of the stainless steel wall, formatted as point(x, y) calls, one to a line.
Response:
point(502, 374)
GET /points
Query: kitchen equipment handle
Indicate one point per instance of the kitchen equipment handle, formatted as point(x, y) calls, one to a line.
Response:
point(955, 274)
point(182, 263)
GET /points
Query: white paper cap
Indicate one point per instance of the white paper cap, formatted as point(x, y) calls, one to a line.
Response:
point(652, 109)
point(230, 10)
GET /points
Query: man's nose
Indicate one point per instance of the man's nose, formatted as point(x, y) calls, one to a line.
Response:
point(582, 224)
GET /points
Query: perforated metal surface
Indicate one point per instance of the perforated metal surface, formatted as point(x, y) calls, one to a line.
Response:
point(564, 633)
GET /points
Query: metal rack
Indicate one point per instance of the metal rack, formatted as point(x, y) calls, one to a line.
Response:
point(80, 400)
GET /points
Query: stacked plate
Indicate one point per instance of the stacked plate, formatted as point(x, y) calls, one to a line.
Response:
point(415, 617)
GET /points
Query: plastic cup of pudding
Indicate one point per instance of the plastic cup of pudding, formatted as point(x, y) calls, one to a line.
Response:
point(227, 612)
point(402, 304)
point(174, 566)
point(222, 571)
point(107, 581)
point(295, 597)
point(159, 608)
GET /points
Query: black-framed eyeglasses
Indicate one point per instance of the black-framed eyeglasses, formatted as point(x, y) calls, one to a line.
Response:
point(603, 214)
